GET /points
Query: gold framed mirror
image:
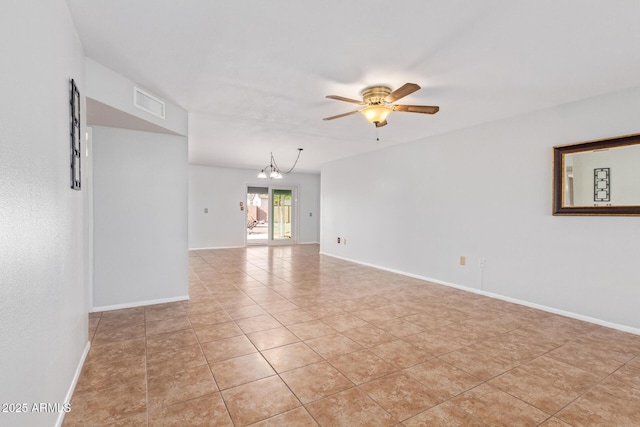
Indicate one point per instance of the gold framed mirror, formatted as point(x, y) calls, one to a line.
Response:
point(597, 177)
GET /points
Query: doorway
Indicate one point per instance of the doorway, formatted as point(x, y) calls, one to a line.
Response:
point(271, 215)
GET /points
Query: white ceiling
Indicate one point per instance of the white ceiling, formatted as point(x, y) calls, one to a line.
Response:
point(254, 74)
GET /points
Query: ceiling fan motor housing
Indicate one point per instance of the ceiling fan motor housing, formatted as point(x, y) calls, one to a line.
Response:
point(375, 95)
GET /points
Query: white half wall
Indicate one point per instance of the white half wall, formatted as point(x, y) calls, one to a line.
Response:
point(140, 217)
point(43, 298)
point(220, 191)
point(485, 193)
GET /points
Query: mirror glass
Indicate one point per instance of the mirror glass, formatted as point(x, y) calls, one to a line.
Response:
point(598, 177)
point(606, 177)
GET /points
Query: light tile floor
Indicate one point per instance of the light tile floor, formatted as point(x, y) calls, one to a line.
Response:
point(283, 336)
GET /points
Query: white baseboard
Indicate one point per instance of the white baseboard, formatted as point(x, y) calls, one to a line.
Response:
point(74, 382)
point(249, 244)
point(139, 303)
point(572, 315)
point(216, 247)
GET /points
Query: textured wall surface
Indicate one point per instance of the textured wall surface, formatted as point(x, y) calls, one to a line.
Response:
point(43, 301)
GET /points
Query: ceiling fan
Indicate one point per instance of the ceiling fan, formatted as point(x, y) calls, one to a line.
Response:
point(378, 103)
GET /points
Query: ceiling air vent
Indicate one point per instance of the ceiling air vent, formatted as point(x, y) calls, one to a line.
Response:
point(148, 103)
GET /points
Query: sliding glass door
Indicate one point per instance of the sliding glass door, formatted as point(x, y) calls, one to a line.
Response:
point(271, 215)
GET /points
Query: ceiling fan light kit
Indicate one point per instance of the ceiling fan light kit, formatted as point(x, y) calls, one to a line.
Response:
point(378, 103)
point(376, 113)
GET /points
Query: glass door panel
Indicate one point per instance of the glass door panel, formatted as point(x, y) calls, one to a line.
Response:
point(257, 215)
point(281, 215)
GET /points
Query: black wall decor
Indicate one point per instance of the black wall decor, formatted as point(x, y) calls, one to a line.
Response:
point(602, 185)
point(74, 121)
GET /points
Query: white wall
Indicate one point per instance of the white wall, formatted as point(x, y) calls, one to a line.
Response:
point(221, 190)
point(485, 192)
point(140, 217)
point(43, 306)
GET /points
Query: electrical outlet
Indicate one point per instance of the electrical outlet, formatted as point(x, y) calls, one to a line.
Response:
point(463, 260)
point(338, 240)
point(206, 210)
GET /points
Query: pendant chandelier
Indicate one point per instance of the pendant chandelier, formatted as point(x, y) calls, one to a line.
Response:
point(272, 170)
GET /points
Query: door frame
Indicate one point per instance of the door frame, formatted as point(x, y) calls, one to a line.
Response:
point(88, 214)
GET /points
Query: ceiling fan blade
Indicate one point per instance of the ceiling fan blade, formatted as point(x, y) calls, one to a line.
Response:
point(424, 109)
point(401, 92)
point(341, 115)
point(342, 98)
point(380, 124)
